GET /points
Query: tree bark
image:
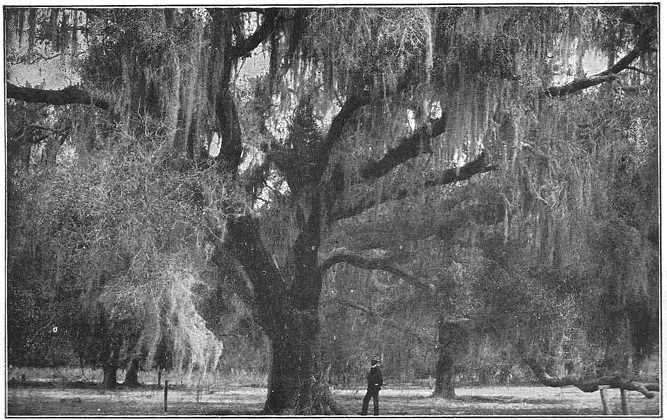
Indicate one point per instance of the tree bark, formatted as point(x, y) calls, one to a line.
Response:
point(295, 384)
point(374, 261)
point(583, 384)
point(285, 302)
point(624, 402)
point(372, 198)
point(224, 57)
point(231, 146)
point(603, 399)
point(110, 364)
point(643, 45)
point(294, 340)
point(110, 349)
point(110, 380)
point(452, 341)
point(131, 377)
point(444, 376)
point(68, 95)
point(292, 363)
point(286, 308)
point(409, 147)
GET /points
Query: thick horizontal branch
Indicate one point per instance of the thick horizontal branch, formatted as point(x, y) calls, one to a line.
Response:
point(424, 338)
point(448, 176)
point(578, 84)
point(68, 95)
point(477, 166)
point(373, 260)
point(585, 384)
point(409, 147)
point(643, 45)
point(446, 216)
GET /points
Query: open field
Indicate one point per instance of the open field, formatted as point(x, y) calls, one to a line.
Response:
point(88, 399)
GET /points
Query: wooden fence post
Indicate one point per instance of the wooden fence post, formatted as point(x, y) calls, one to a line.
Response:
point(624, 402)
point(166, 387)
point(603, 397)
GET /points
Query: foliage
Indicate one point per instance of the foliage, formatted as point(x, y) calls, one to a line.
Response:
point(125, 233)
point(557, 246)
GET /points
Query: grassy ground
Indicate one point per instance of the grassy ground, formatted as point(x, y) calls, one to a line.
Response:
point(35, 398)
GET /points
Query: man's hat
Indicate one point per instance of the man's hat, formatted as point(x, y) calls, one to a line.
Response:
point(375, 360)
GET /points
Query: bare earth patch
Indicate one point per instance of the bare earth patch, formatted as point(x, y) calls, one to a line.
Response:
point(239, 400)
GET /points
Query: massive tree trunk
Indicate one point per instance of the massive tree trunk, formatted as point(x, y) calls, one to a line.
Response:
point(110, 365)
point(110, 380)
point(295, 385)
point(131, 377)
point(444, 376)
point(452, 341)
point(286, 306)
point(292, 373)
point(110, 349)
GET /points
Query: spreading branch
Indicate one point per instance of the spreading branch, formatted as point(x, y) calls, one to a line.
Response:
point(424, 338)
point(583, 384)
point(578, 84)
point(373, 260)
point(409, 147)
point(68, 95)
point(448, 176)
point(643, 46)
point(586, 384)
point(477, 166)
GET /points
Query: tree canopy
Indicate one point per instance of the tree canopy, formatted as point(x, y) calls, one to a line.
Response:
point(489, 172)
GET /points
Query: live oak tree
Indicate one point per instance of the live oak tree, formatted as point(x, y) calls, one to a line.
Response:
point(109, 257)
point(359, 108)
point(543, 222)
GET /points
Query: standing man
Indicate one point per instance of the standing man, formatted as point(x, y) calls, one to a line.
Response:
point(374, 379)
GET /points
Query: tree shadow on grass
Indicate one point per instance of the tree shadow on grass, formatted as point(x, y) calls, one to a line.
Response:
point(491, 399)
point(87, 406)
point(13, 383)
point(53, 384)
point(213, 409)
point(506, 399)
